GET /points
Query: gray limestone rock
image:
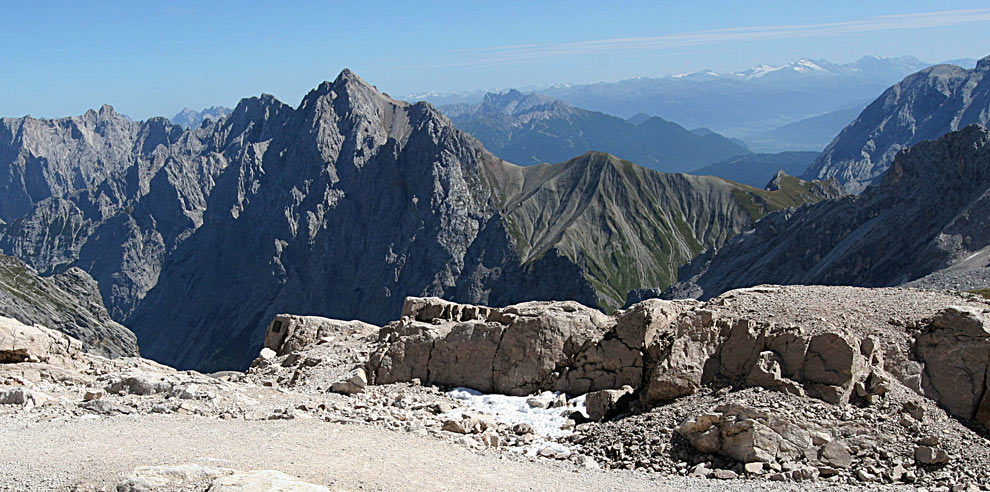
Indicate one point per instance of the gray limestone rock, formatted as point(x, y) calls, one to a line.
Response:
point(69, 302)
point(923, 106)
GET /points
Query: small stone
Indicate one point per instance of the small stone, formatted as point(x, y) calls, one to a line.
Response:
point(523, 429)
point(267, 354)
point(588, 462)
point(928, 455)
point(754, 468)
point(897, 473)
point(92, 395)
point(865, 476)
point(777, 477)
point(355, 382)
point(701, 470)
point(725, 474)
point(836, 454)
point(928, 441)
point(416, 382)
point(915, 408)
point(534, 402)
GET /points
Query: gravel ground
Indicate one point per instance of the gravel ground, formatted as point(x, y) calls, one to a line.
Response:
point(58, 455)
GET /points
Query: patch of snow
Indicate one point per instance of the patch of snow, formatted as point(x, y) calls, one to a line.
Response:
point(513, 410)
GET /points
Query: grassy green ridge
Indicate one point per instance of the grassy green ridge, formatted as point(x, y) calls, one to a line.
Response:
point(627, 226)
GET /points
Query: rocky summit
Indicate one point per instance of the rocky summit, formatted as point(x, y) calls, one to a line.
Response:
point(342, 207)
point(923, 106)
point(816, 387)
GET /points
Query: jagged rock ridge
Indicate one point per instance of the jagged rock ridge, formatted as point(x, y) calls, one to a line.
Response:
point(345, 205)
point(923, 106)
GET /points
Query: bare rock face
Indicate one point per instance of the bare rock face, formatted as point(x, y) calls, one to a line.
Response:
point(925, 216)
point(514, 350)
point(341, 206)
point(69, 302)
point(288, 333)
point(923, 106)
point(23, 343)
point(956, 354)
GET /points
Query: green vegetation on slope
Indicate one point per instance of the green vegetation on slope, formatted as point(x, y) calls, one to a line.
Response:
point(629, 227)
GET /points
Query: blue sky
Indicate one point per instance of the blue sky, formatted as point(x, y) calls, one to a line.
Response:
point(153, 58)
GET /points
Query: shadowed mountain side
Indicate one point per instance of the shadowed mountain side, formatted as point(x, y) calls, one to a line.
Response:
point(927, 214)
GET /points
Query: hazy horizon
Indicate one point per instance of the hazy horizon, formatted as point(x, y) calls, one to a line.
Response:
point(60, 59)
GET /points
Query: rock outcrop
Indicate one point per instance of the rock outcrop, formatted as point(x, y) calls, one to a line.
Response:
point(309, 206)
point(923, 106)
point(514, 350)
point(69, 302)
point(925, 216)
point(956, 355)
point(668, 350)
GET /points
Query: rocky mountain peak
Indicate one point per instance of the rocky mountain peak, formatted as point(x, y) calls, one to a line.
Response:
point(514, 102)
point(923, 106)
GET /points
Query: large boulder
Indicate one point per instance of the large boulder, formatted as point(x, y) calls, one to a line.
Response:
point(955, 350)
point(747, 434)
point(681, 357)
point(620, 357)
point(514, 350)
point(288, 333)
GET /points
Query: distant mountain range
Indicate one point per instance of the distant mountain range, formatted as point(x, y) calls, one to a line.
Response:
point(340, 207)
point(923, 106)
point(757, 170)
point(532, 128)
point(738, 104)
point(190, 118)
